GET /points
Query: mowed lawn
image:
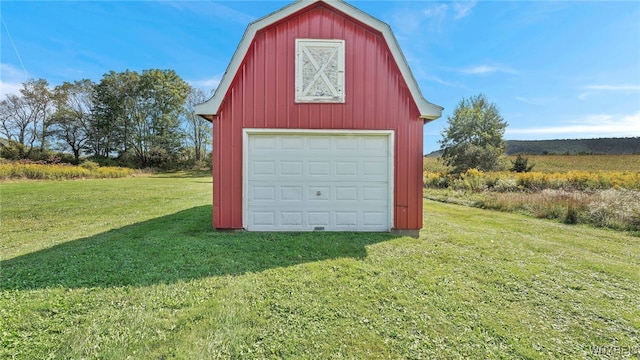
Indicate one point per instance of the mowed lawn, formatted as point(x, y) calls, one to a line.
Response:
point(130, 268)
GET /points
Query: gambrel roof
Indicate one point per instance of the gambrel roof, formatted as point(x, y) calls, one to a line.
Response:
point(211, 107)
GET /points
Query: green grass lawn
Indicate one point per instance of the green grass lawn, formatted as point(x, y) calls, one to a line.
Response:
point(130, 267)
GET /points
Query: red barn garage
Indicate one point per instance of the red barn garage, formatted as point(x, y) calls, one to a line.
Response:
point(318, 126)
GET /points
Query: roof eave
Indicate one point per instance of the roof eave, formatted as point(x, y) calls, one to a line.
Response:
point(212, 106)
point(430, 112)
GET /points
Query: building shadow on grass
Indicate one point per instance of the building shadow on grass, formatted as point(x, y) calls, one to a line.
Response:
point(177, 247)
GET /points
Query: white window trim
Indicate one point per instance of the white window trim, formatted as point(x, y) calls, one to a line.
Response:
point(302, 87)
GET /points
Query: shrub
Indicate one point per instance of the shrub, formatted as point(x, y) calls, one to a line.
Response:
point(90, 165)
point(507, 184)
point(571, 216)
point(471, 180)
point(618, 209)
point(436, 180)
point(521, 164)
point(12, 150)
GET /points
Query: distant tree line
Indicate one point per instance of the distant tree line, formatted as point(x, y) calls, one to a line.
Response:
point(607, 146)
point(599, 146)
point(128, 118)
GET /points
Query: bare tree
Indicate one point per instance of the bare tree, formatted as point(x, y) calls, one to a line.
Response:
point(24, 118)
point(39, 100)
point(18, 121)
point(198, 129)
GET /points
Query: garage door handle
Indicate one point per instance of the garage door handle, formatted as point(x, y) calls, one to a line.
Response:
point(318, 193)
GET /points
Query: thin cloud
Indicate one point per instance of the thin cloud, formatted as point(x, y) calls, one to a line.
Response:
point(589, 126)
point(486, 69)
point(444, 82)
point(207, 85)
point(438, 80)
point(592, 89)
point(212, 9)
point(7, 88)
point(533, 100)
point(436, 11)
point(585, 95)
point(463, 8)
point(613, 87)
point(406, 21)
point(11, 81)
point(460, 9)
point(435, 17)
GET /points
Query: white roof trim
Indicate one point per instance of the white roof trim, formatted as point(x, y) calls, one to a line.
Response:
point(428, 111)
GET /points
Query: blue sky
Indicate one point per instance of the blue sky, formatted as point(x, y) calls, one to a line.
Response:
point(555, 69)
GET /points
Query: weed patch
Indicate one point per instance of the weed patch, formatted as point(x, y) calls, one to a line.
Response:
point(17, 170)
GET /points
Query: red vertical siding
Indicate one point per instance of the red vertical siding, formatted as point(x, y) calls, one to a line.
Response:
point(262, 96)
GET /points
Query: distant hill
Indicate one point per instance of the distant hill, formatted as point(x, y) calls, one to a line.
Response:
point(608, 146)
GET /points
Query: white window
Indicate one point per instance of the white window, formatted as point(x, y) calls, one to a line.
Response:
point(320, 70)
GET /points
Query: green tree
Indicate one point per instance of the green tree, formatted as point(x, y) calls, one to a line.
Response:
point(137, 116)
point(72, 120)
point(521, 164)
point(159, 137)
point(473, 137)
point(117, 106)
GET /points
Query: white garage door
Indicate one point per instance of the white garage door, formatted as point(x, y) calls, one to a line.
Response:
point(318, 181)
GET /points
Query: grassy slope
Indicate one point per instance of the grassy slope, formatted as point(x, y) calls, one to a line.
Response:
point(40, 214)
point(130, 267)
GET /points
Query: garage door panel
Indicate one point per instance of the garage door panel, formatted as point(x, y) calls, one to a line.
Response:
point(349, 218)
point(263, 193)
point(263, 143)
point(291, 168)
point(319, 218)
point(318, 193)
point(322, 143)
point(264, 167)
point(263, 218)
point(319, 168)
point(317, 182)
point(373, 218)
point(375, 145)
point(346, 168)
point(366, 193)
point(291, 193)
point(290, 142)
point(289, 218)
point(377, 167)
point(346, 143)
point(346, 193)
point(375, 193)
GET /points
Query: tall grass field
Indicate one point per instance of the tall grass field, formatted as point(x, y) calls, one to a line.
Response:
point(131, 268)
point(37, 171)
point(601, 190)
